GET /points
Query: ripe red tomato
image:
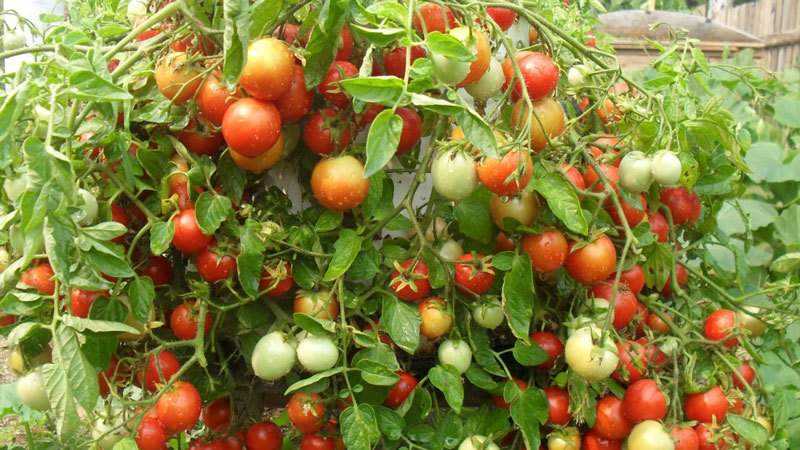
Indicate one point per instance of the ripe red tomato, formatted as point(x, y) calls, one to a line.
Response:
point(592, 441)
point(119, 215)
point(160, 368)
point(710, 438)
point(633, 278)
point(179, 407)
point(644, 401)
point(744, 376)
point(551, 344)
point(306, 412)
point(719, 326)
point(401, 390)
point(509, 72)
point(625, 304)
point(267, 74)
point(329, 87)
point(277, 278)
point(412, 129)
point(706, 406)
point(326, 131)
point(502, 243)
point(432, 17)
point(183, 321)
point(633, 214)
point(685, 438)
point(547, 250)
point(344, 45)
point(474, 274)
point(107, 376)
point(610, 422)
point(632, 362)
point(593, 181)
point(296, 102)
point(235, 442)
point(40, 277)
point(573, 176)
point(506, 176)
point(7, 320)
point(81, 301)
point(251, 127)
point(188, 238)
point(659, 226)
point(368, 115)
point(317, 442)
point(264, 436)
point(217, 415)
point(151, 435)
point(158, 269)
point(194, 44)
point(290, 33)
point(412, 285)
point(683, 278)
point(213, 267)
point(339, 183)
point(539, 75)
point(213, 99)
point(557, 405)
point(394, 61)
point(593, 262)
point(200, 140)
point(503, 17)
point(656, 324)
point(501, 402)
point(684, 206)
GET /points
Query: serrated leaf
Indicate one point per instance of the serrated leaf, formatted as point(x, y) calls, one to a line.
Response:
point(382, 140)
point(518, 297)
point(141, 294)
point(563, 201)
point(161, 234)
point(346, 249)
point(211, 210)
point(401, 321)
point(448, 380)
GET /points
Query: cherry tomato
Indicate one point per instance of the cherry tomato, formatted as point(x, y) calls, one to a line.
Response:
point(684, 206)
point(339, 183)
point(277, 278)
point(591, 441)
point(158, 269)
point(412, 130)
point(189, 238)
point(194, 44)
point(213, 99)
point(81, 301)
point(214, 267)
point(107, 376)
point(151, 435)
point(506, 176)
point(710, 438)
point(502, 243)
point(306, 412)
point(546, 121)
point(267, 74)
point(344, 45)
point(179, 407)
point(659, 226)
point(501, 402)
point(593, 180)
point(436, 320)
point(432, 17)
point(251, 127)
point(261, 162)
point(320, 304)
point(644, 401)
point(706, 406)
point(264, 436)
point(743, 376)
point(326, 131)
point(685, 438)
point(329, 87)
point(368, 115)
point(317, 442)
point(633, 278)
point(119, 215)
point(548, 250)
point(656, 324)
point(200, 141)
point(557, 405)
point(217, 415)
point(474, 38)
point(183, 321)
point(573, 176)
point(632, 362)
point(503, 17)
point(551, 344)
point(177, 78)
point(683, 278)
point(610, 422)
point(290, 33)
point(625, 303)
point(474, 274)
point(412, 284)
point(593, 262)
point(401, 390)
point(394, 61)
point(539, 76)
point(719, 326)
point(40, 277)
point(160, 368)
point(296, 102)
point(633, 214)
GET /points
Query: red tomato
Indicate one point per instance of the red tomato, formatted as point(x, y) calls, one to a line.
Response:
point(235, 442)
point(551, 344)
point(267, 74)
point(200, 140)
point(632, 362)
point(147, 34)
point(306, 412)
point(277, 278)
point(7, 319)
point(706, 406)
point(656, 324)
point(329, 87)
point(633, 214)
point(319, 304)
point(317, 442)
point(483, 53)
point(593, 180)
point(296, 102)
point(40, 277)
point(401, 390)
point(412, 129)
point(264, 436)
point(326, 132)
point(557, 405)
point(177, 77)
point(644, 401)
point(625, 303)
point(217, 415)
point(119, 215)
point(684, 206)
point(81, 301)
point(370, 112)
point(412, 284)
point(501, 402)
point(503, 17)
point(633, 278)
point(610, 422)
point(592, 441)
point(547, 250)
point(710, 438)
point(151, 435)
point(160, 368)
point(251, 127)
point(188, 238)
point(719, 326)
point(344, 45)
point(503, 243)
point(539, 75)
point(659, 226)
point(685, 438)
point(593, 262)
point(179, 407)
point(508, 70)
point(339, 183)
point(290, 33)
point(432, 17)
point(744, 376)
point(474, 274)
point(506, 176)
point(183, 321)
point(573, 176)
point(158, 269)
point(213, 267)
point(194, 44)
point(394, 61)
point(683, 278)
point(213, 99)
point(655, 357)
point(107, 376)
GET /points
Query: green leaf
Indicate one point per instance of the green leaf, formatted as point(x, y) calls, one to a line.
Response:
point(313, 379)
point(113, 265)
point(264, 15)
point(161, 234)
point(231, 177)
point(562, 200)
point(480, 378)
point(448, 46)
point(59, 242)
point(767, 162)
point(518, 297)
point(529, 354)
point(472, 215)
point(314, 325)
point(211, 210)
point(97, 326)
point(436, 105)
point(379, 37)
point(105, 231)
point(359, 427)
point(90, 86)
point(328, 221)
point(126, 444)
point(390, 423)
point(529, 411)
point(751, 431)
point(376, 373)
point(448, 380)
point(401, 321)
point(787, 226)
point(382, 140)
point(757, 213)
point(385, 90)
point(323, 42)
point(236, 18)
point(346, 249)
point(787, 111)
point(786, 263)
point(477, 131)
point(250, 262)
point(141, 294)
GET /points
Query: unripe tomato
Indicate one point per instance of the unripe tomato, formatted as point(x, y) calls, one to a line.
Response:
point(644, 401)
point(533, 34)
point(184, 321)
point(264, 436)
point(557, 405)
point(31, 392)
point(743, 376)
point(330, 88)
point(490, 84)
point(267, 74)
point(474, 38)
point(159, 370)
point(650, 435)
point(412, 285)
point(339, 183)
point(320, 304)
point(277, 279)
point(40, 277)
point(273, 356)
point(449, 71)
point(592, 441)
point(306, 412)
point(455, 353)
point(436, 320)
point(81, 301)
point(151, 435)
point(564, 439)
point(659, 226)
point(432, 17)
point(508, 175)
point(87, 208)
point(317, 353)
point(548, 250)
point(412, 129)
point(394, 61)
point(474, 274)
point(625, 303)
point(326, 131)
point(684, 206)
point(454, 175)
point(488, 314)
point(751, 323)
point(706, 406)
point(593, 262)
point(401, 390)
point(719, 326)
point(261, 162)
point(213, 267)
point(177, 78)
point(522, 208)
point(635, 172)
point(551, 345)
point(296, 102)
point(667, 168)
point(213, 99)
point(179, 407)
point(539, 75)
point(477, 442)
point(217, 414)
point(685, 438)
point(451, 250)
point(503, 17)
point(632, 362)
point(589, 356)
point(610, 422)
point(546, 121)
point(251, 127)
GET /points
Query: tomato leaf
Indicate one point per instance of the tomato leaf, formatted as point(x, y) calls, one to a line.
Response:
point(161, 234)
point(401, 321)
point(232, 178)
point(105, 231)
point(529, 411)
point(448, 380)
point(481, 378)
point(382, 140)
point(529, 354)
point(323, 42)
point(236, 17)
point(752, 431)
point(263, 16)
point(112, 265)
point(211, 210)
point(375, 373)
point(346, 249)
point(59, 242)
point(448, 46)
point(313, 325)
point(126, 444)
point(472, 215)
point(359, 427)
point(390, 423)
point(313, 379)
point(518, 297)
point(141, 293)
point(562, 200)
point(87, 85)
point(98, 326)
point(385, 90)
point(477, 131)
point(328, 221)
point(379, 37)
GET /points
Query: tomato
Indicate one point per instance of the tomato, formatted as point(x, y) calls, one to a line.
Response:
point(632, 362)
point(409, 280)
point(179, 407)
point(81, 301)
point(31, 391)
point(523, 209)
point(158, 269)
point(326, 131)
point(685, 438)
point(490, 84)
point(368, 115)
point(412, 130)
point(87, 206)
point(744, 376)
point(160, 369)
point(251, 127)
point(200, 141)
point(720, 325)
point(710, 438)
point(330, 88)
point(488, 314)
point(184, 321)
point(344, 45)
point(432, 17)
point(296, 102)
point(551, 345)
point(610, 422)
point(277, 279)
point(306, 412)
point(189, 238)
point(267, 74)
point(316, 442)
point(320, 304)
point(684, 206)
point(539, 76)
point(682, 276)
point(564, 439)
point(747, 319)
point(213, 267)
point(107, 432)
point(509, 73)
point(235, 442)
point(339, 183)
point(264, 436)
point(593, 180)
point(273, 356)
point(547, 250)
point(659, 226)
point(625, 303)
point(633, 278)
point(456, 353)
point(499, 400)
point(503, 17)
point(591, 355)
point(474, 38)
point(40, 277)
point(633, 214)
point(194, 44)
point(177, 78)
point(656, 324)
point(454, 174)
point(508, 175)
point(667, 168)
point(635, 172)
point(394, 61)
point(706, 406)
point(591, 441)
point(436, 320)
point(263, 161)
point(650, 435)
point(151, 435)
point(290, 33)
point(7, 320)
point(593, 262)
point(573, 176)
point(317, 353)
point(477, 442)
point(474, 274)
point(217, 415)
point(400, 390)
point(545, 122)
point(644, 401)
point(557, 406)
point(451, 250)
point(213, 99)
point(503, 243)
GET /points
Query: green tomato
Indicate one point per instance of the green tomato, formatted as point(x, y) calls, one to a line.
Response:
point(87, 208)
point(317, 353)
point(106, 434)
point(273, 356)
point(636, 172)
point(451, 250)
point(30, 389)
point(591, 355)
point(751, 323)
point(490, 84)
point(488, 314)
point(454, 175)
point(449, 71)
point(455, 353)
point(13, 40)
point(667, 168)
point(477, 442)
point(564, 439)
point(650, 435)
